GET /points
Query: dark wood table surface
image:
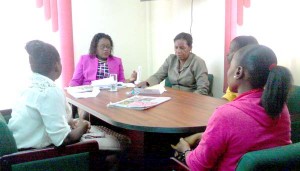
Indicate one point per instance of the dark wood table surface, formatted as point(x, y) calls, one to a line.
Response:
point(152, 130)
point(185, 112)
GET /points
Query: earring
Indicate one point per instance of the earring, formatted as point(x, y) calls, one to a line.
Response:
point(234, 77)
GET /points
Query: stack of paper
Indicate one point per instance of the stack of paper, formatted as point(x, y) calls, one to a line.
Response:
point(139, 102)
point(105, 83)
point(83, 91)
point(157, 89)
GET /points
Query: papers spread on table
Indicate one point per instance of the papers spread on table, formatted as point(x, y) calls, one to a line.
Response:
point(84, 91)
point(105, 83)
point(139, 102)
point(156, 89)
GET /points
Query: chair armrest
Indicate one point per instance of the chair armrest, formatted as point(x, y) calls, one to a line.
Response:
point(50, 152)
point(5, 111)
point(180, 166)
point(295, 117)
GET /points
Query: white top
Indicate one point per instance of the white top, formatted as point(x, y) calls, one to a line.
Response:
point(39, 117)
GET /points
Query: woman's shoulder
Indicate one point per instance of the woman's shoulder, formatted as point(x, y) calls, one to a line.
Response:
point(87, 56)
point(172, 57)
point(196, 57)
point(228, 110)
point(115, 57)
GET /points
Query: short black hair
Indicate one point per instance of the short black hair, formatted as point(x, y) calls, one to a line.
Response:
point(185, 36)
point(42, 56)
point(95, 40)
point(239, 42)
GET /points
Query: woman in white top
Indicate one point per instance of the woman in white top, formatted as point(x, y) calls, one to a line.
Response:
point(39, 117)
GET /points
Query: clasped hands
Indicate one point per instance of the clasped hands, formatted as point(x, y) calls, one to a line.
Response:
point(78, 122)
point(185, 144)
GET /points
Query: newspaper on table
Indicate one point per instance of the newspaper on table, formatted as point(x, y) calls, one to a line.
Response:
point(139, 102)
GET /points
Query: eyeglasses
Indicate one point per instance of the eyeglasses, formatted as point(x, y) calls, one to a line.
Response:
point(105, 46)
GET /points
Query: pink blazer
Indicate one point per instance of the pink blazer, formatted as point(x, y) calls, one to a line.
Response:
point(86, 69)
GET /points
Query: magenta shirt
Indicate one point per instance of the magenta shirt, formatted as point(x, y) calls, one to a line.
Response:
point(236, 128)
point(87, 68)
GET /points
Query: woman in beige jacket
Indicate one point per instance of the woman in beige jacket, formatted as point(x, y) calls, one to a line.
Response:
point(185, 70)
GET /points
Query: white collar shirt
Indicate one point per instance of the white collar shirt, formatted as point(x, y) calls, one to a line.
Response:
point(39, 116)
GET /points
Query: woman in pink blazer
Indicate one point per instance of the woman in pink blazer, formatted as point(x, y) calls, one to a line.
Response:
point(99, 63)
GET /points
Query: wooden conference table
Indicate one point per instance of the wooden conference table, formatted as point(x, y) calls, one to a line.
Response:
point(185, 113)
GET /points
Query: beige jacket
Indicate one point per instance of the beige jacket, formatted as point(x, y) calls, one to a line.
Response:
point(192, 78)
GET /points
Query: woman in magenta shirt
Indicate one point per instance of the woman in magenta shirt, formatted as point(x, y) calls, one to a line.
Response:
point(257, 119)
point(99, 63)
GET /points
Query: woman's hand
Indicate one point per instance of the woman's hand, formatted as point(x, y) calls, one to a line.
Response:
point(84, 123)
point(194, 139)
point(133, 76)
point(181, 147)
point(191, 140)
point(80, 123)
point(142, 84)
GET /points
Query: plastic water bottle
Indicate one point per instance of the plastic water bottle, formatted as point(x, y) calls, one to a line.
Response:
point(139, 75)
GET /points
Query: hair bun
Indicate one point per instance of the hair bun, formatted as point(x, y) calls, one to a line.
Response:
point(35, 48)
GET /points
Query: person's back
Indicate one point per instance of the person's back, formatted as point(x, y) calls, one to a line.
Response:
point(257, 119)
point(39, 117)
point(243, 126)
point(33, 116)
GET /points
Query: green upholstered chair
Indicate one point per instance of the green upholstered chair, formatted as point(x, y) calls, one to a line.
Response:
point(210, 79)
point(167, 82)
point(211, 83)
point(284, 158)
point(74, 157)
point(293, 103)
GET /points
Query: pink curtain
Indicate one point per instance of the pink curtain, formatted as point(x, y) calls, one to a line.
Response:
point(234, 10)
point(60, 13)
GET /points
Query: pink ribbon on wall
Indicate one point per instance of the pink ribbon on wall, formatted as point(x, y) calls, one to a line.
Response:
point(66, 39)
point(240, 12)
point(47, 9)
point(247, 3)
point(39, 3)
point(54, 15)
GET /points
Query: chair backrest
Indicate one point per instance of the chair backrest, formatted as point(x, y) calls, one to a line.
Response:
point(75, 162)
point(210, 80)
point(278, 158)
point(167, 82)
point(293, 101)
point(295, 131)
point(7, 142)
point(211, 83)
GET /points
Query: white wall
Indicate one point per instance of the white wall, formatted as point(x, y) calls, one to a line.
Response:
point(143, 32)
point(21, 22)
point(123, 20)
point(170, 17)
point(276, 24)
